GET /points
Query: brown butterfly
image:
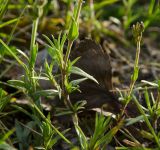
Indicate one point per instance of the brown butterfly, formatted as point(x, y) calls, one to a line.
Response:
point(95, 62)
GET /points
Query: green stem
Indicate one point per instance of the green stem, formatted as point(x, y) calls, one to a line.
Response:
point(64, 70)
point(133, 81)
point(78, 10)
point(34, 33)
point(138, 52)
point(135, 66)
point(70, 43)
point(32, 44)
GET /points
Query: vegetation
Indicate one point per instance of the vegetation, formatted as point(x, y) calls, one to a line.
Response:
point(40, 78)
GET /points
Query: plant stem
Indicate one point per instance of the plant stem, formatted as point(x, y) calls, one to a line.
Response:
point(70, 43)
point(135, 66)
point(34, 33)
point(31, 68)
point(133, 81)
point(65, 73)
point(79, 9)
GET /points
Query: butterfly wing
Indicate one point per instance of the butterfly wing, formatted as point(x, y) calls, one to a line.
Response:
point(96, 63)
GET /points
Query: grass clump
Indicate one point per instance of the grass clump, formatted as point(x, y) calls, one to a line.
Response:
point(24, 121)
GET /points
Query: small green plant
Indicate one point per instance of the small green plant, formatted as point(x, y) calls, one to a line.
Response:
point(102, 135)
point(137, 29)
point(28, 82)
point(150, 114)
point(39, 129)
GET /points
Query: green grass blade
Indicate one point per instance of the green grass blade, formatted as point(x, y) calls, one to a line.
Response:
point(147, 121)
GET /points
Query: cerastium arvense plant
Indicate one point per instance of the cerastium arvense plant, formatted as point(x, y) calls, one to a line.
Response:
point(29, 81)
point(137, 30)
point(29, 84)
point(56, 51)
point(149, 114)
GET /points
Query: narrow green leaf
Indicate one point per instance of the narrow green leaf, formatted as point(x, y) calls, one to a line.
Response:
point(13, 54)
point(50, 92)
point(151, 7)
point(64, 37)
point(82, 138)
point(41, 78)
point(48, 40)
point(150, 83)
point(108, 137)
point(3, 7)
point(135, 74)
point(147, 99)
point(22, 53)
point(132, 121)
point(8, 22)
point(17, 83)
point(78, 71)
point(77, 82)
point(33, 55)
point(147, 135)
point(75, 60)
